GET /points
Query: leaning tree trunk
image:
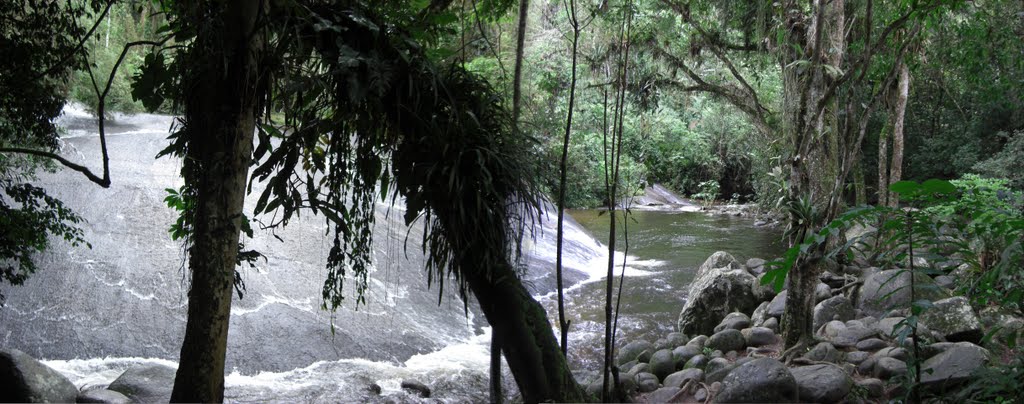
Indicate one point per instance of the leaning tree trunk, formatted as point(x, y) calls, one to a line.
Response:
point(220, 114)
point(883, 166)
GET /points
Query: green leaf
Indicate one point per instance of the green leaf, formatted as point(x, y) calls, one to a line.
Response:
point(905, 187)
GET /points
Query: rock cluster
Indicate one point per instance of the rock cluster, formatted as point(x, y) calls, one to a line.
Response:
point(863, 349)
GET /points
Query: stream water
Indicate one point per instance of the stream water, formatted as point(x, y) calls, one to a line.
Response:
point(92, 313)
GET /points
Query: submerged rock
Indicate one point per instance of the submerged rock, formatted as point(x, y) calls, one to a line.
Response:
point(417, 387)
point(25, 379)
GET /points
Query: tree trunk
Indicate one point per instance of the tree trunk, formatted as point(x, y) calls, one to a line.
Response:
point(528, 341)
point(860, 188)
point(524, 11)
point(899, 112)
point(220, 111)
point(563, 325)
point(883, 166)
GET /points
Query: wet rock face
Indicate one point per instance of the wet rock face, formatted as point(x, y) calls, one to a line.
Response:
point(760, 380)
point(25, 380)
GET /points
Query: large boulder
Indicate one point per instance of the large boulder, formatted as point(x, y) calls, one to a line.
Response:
point(758, 336)
point(823, 383)
point(640, 350)
point(25, 380)
point(763, 380)
point(682, 354)
point(720, 259)
point(954, 319)
point(824, 352)
point(836, 308)
point(714, 294)
point(146, 383)
point(953, 366)
point(886, 290)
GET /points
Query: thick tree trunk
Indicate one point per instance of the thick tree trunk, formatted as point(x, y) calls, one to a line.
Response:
point(528, 341)
point(220, 112)
point(899, 112)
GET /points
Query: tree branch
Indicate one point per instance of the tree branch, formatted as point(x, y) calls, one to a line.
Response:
point(103, 182)
point(78, 47)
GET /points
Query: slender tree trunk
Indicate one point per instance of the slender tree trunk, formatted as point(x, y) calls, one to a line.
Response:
point(899, 112)
point(524, 12)
point(860, 189)
point(563, 325)
point(220, 112)
point(883, 166)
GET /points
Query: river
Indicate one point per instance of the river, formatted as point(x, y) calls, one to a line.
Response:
point(92, 313)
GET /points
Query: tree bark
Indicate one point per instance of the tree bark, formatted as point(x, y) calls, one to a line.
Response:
point(883, 166)
point(524, 11)
point(563, 325)
point(899, 112)
point(220, 113)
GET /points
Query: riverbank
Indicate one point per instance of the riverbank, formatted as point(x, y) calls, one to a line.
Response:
point(727, 348)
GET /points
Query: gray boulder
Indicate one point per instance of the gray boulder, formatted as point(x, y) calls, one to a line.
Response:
point(720, 259)
point(755, 266)
point(662, 363)
point(758, 336)
point(674, 339)
point(734, 320)
point(886, 290)
point(759, 315)
point(636, 350)
point(874, 387)
point(777, 305)
point(682, 354)
point(760, 380)
point(889, 326)
point(835, 308)
point(771, 323)
point(718, 368)
point(102, 396)
point(850, 336)
point(954, 319)
point(822, 292)
point(714, 294)
point(871, 344)
point(953, 366)
point(680, 378)
point(887, 367)
point(696, 362)
point(146, 383)
point(663, 395)
point(822, 383)
point(856, 357)
point(727, 340)
point(824, 352)
point(645, 382)
point(28, 380)
point(698, 341)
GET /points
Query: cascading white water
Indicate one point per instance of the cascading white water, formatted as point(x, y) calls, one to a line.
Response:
point(92, 313)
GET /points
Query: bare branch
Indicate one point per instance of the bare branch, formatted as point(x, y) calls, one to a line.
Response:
point(103, 182)
point(78, 47)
